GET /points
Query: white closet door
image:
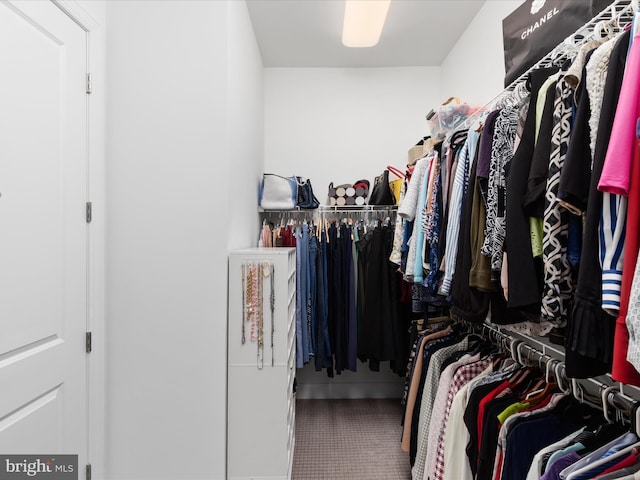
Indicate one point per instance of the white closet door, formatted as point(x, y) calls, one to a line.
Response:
point(43, 231)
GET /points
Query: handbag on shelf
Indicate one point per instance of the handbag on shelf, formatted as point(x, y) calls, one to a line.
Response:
point(348, 195)
point(337, 196)
point(396, 185)
point(278, 192)
point(381, 193)
point(361, 192)
point(306, 197)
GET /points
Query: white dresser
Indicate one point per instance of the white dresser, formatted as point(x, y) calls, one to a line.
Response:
point(261, 403)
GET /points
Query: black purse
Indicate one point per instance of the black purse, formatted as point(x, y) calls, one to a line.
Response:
point(306, 198)
point(381, 193)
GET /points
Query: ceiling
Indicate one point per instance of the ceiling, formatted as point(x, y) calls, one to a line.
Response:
point(307, 33)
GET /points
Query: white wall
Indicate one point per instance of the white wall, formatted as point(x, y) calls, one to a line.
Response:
point(174, 124)
point(474, 69)
point(246, 127)
point(344, 124)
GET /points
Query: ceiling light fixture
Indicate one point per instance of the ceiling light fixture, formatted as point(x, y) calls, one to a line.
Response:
point(363, 22)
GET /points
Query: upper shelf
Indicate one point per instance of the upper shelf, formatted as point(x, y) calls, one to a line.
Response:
point(330, 208)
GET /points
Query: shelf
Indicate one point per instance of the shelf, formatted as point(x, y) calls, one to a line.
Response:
point(329, 208)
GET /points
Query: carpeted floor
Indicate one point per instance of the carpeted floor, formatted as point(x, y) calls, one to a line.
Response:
point(349, 440)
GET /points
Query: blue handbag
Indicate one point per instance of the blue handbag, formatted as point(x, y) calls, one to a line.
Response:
point(306, 198)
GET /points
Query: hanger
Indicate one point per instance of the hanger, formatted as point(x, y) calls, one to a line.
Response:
point(512, 347)
point(635, 418)
point(605, 403)
point(602, 461)
point(614, 22)
point(542, 362)
point(576, 388)
point(593, 459)
point(560, 378)
point(521, 93)
point(568, 48)
point(519, 349)
point(549, 368)
point(603, 30)
point(539, 394)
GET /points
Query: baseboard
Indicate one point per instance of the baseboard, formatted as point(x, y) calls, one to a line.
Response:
point(350, 391)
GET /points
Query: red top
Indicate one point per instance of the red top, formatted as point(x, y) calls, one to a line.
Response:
point(622, 370)
point(482, 405)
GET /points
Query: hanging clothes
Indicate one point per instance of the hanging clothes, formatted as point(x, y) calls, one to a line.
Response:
point(323, 342)
point(302, 295)
point(501, 154)
point(468, 303)
point(491, 418)
point(380, 336)
point(456, 202)
point(622, 370)
point(348, 296)
point(524, 283)
point(588, 322)
point(558, 282)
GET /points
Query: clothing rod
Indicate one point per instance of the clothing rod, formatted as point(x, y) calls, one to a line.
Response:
point(611, 14)
point(332, 208)
point(609, 393)
point(329, 213)
point(526, 354)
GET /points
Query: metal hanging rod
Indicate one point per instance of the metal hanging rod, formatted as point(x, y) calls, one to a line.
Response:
point(365, 213)
point(608, 394)
point(524, 353)
point(331, 208)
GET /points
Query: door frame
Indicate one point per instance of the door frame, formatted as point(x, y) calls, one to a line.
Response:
point(96, 153)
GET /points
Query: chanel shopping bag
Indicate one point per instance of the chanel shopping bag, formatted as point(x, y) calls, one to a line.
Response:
point(537, 26)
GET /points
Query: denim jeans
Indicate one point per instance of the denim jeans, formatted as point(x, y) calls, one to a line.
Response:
point(302, 295)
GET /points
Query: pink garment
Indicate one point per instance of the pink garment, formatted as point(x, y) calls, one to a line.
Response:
point(617, 165)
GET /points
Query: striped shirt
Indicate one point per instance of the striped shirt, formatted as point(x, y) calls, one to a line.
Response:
point(612, 232)
point(458, 192)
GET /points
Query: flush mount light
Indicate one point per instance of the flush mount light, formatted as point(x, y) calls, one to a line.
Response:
point(363, 22)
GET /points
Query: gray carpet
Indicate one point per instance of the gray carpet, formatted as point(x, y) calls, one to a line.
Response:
point(349, 440)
